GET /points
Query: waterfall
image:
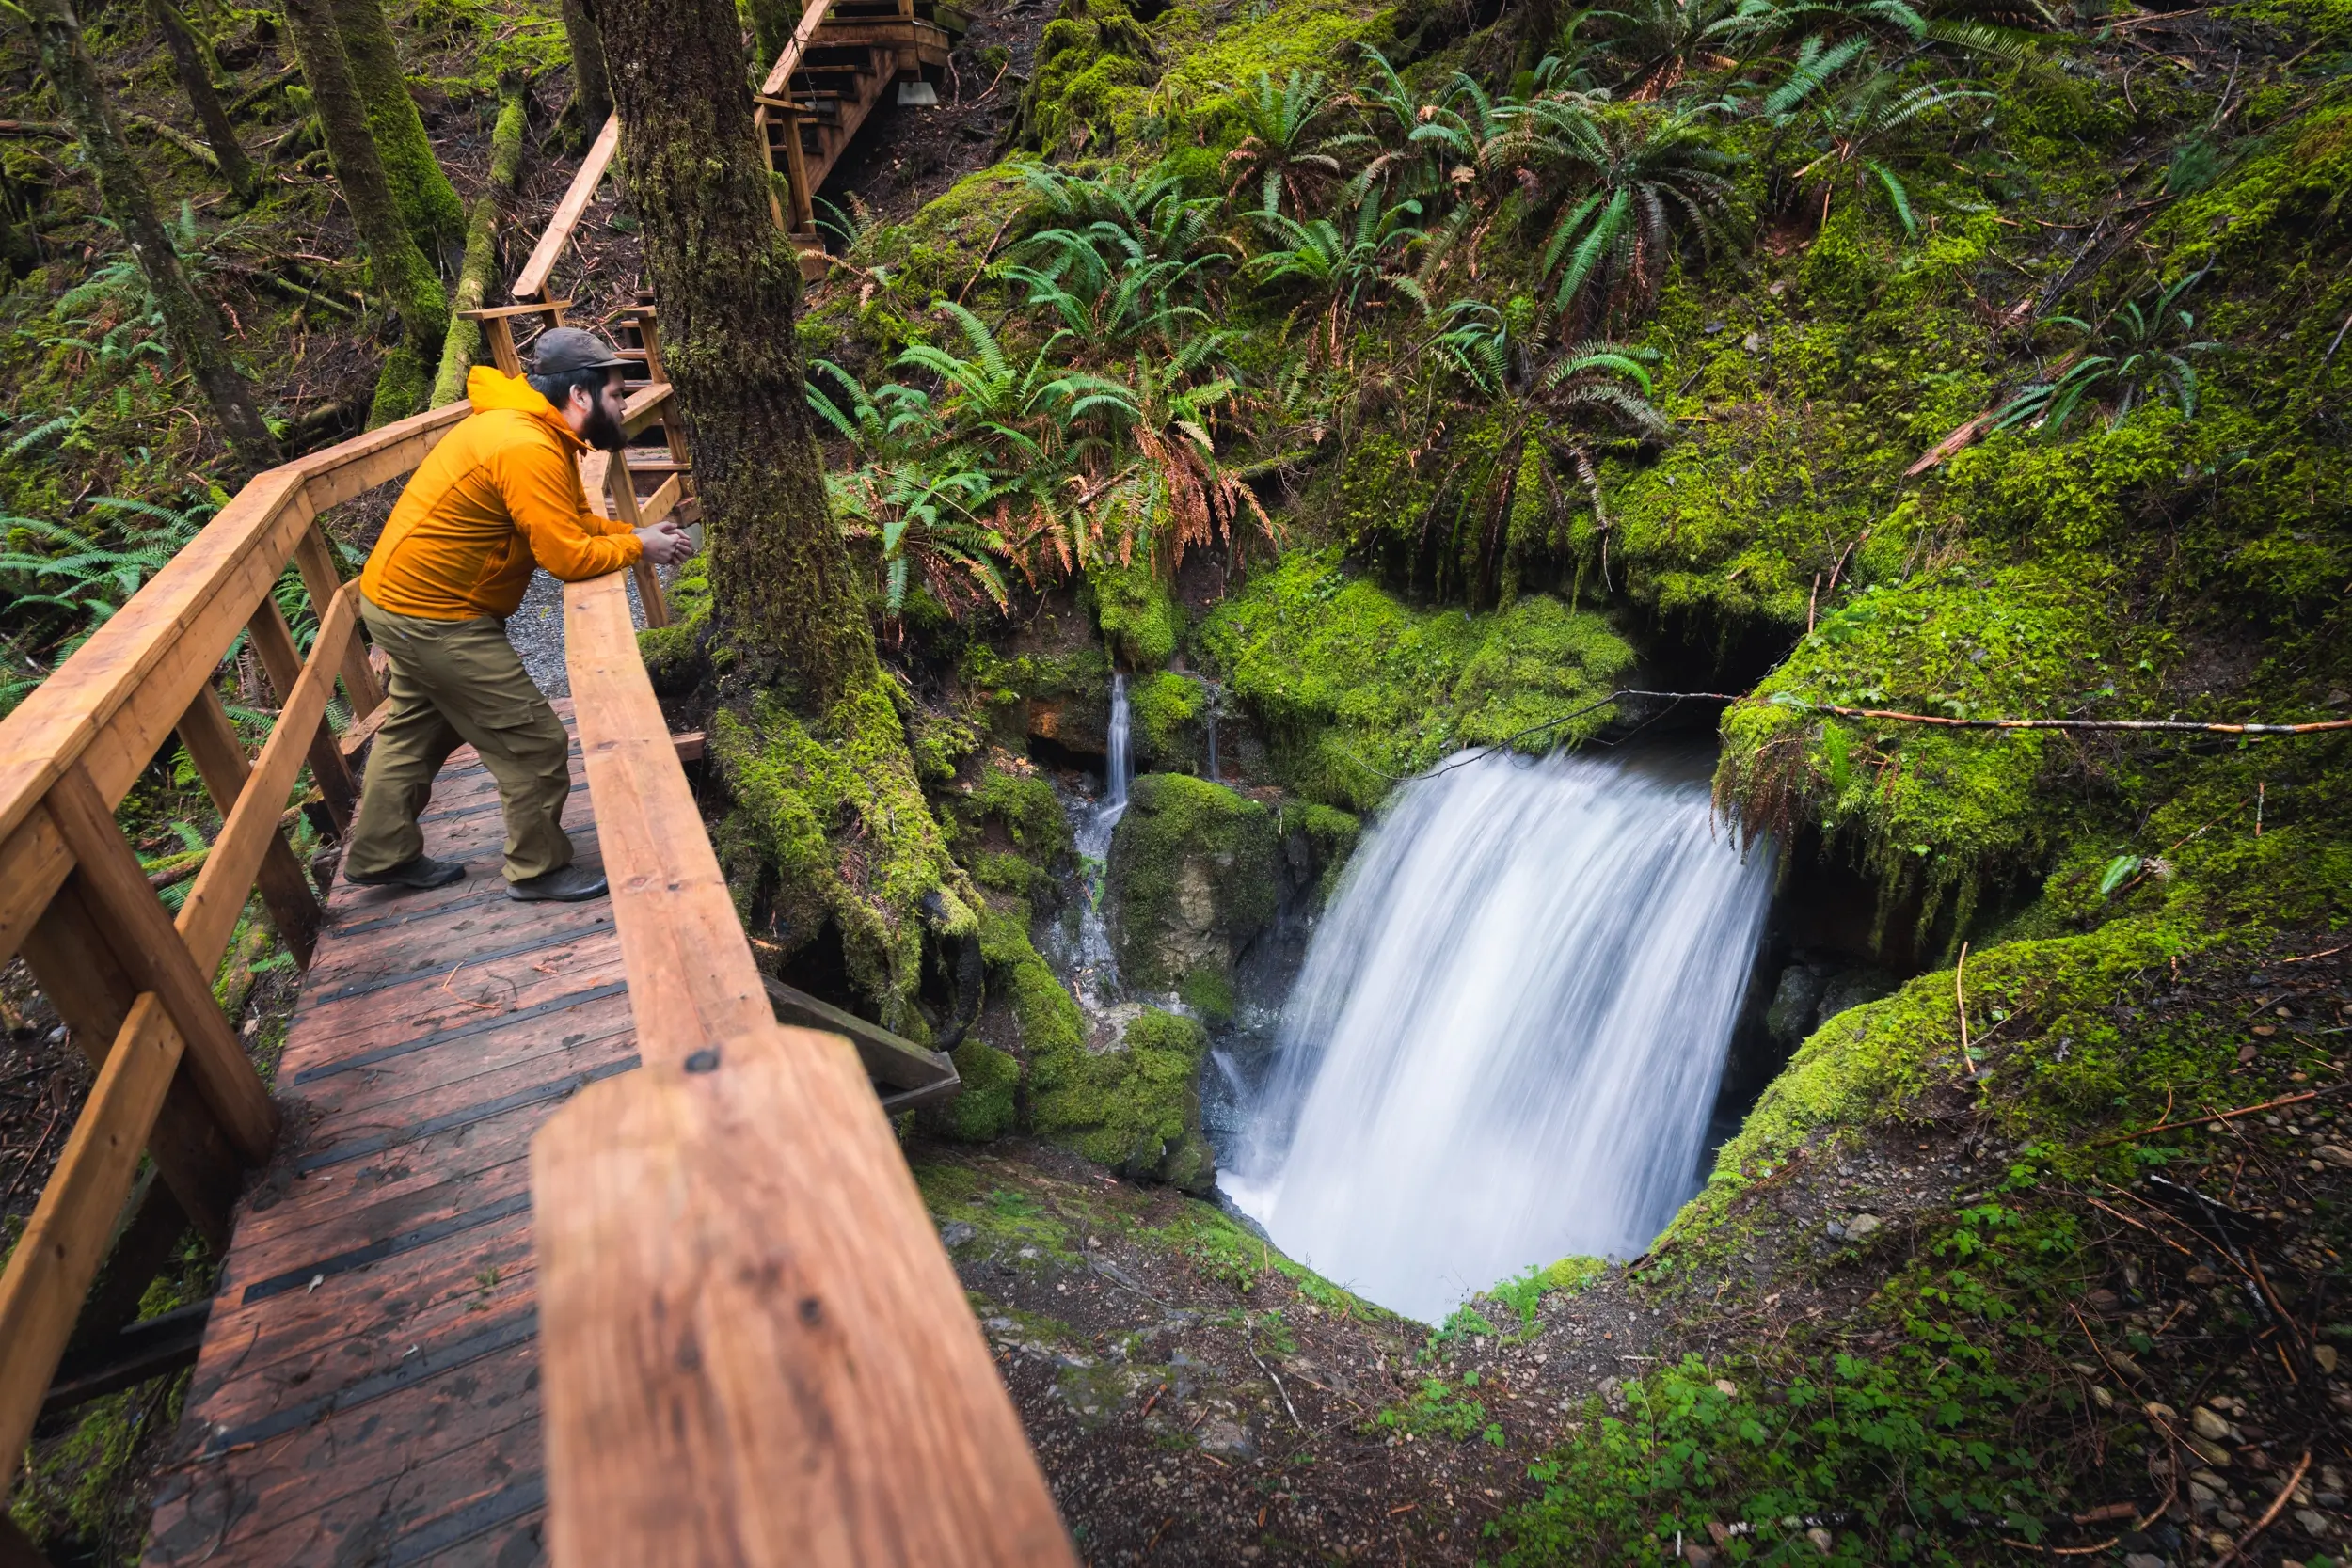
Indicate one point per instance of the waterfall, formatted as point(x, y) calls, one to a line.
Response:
point(1123, 770)
point(1092, 967)
point(1509, 1031)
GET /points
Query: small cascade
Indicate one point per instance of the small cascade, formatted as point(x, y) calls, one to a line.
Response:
point(1208, 715)
point(1088, 963)
point(1509, 1031)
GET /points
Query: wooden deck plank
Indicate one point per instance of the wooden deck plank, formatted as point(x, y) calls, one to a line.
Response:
point(368, 1384)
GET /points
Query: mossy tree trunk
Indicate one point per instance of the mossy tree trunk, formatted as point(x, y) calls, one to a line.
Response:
point(592, 92)
point(773, 22)
point(829, 819)
point(403, 280)
point(464, 343)
point(189, 325)
point(428, 203)
point(783, 593)
point(196, 80)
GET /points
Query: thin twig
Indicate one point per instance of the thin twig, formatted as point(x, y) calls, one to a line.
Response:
point(2210, 1116)
point(2268, 1515)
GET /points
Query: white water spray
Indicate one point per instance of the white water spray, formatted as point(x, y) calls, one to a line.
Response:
point(1509, 1032)
point(1090, 965)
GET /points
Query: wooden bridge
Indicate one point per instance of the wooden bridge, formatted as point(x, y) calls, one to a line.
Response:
point(563, 1233)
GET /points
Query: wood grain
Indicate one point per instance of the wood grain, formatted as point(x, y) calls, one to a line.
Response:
point(533, 280)
point(690, 974)
point(208, 916)
point(756, 1352)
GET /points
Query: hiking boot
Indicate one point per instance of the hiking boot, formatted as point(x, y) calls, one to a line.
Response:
point(422, 872)
point(573, 884)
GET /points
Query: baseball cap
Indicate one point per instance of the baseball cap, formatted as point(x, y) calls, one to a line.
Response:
point(571, 348)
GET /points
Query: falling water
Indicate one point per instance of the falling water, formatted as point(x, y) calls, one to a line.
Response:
point(1509, 1031)
point(1091, 965)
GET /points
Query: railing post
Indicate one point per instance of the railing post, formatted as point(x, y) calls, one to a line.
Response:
point(206, 730)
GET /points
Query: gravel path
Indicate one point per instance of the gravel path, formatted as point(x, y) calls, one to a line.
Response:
point(536, 630)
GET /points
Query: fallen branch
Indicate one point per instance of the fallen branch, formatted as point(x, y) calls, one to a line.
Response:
point(49, 129)
point(263, 89)
point(173, 135)
point(2202, 1120)
point(2166, 725)
point(2263, 1524)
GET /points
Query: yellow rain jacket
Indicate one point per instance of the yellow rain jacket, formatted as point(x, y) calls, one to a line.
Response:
point(500, 493)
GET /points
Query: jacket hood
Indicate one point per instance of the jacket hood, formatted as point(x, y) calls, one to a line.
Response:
point(491, 389)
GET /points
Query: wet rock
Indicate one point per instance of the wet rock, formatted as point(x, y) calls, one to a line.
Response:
point(1850, 989)
point(1863, 1226)
point(1795, 1000)
point(2209, 1424)
point(956, 1232)
point(2315, 1524)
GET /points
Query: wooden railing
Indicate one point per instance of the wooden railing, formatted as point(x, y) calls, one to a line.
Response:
point(754, 1349)
point(136, 985)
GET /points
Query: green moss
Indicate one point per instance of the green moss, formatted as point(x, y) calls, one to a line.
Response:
point(830, 825)
point(1138, 615)
point(1931, 811)
point(673, 654)
point(1135, 1108)
point(1191, 879)
point(1168, 717)
point(987, 1107)
point(1355, 688)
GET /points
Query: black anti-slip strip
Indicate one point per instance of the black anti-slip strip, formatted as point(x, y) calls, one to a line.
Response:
point(544, 940)
point(386, 1052)
point(524, 1494)
point(392, 1246)
point(580, 788)
point(562, 1088)
point(519, 1330)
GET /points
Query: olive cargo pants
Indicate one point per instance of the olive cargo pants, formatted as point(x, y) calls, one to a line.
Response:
point(460, 682)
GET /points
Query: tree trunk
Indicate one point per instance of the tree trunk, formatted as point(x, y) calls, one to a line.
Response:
point(729, 286)
point(592, 93)
point(428, 203)
point(807, 736)
point(196, 80)
point(464, 343)
point(189, 325)
point(403, 278)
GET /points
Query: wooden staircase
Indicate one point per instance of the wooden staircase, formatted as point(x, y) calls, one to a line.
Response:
point(844, 55)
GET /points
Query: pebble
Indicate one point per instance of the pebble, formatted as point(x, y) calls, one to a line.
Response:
point(956, 1232)
point(1862, 1226)
point(2209, 1424)
point(1821, 1539)
point(2314, 1522)
point(2143, 1560)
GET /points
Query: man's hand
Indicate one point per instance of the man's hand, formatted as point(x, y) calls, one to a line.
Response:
point(665, 543)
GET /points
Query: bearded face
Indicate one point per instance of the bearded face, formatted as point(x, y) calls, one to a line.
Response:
point(603, 429)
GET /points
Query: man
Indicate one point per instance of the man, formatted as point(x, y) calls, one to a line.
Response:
point(500, 496)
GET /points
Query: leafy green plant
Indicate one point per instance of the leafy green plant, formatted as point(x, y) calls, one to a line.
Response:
point(1284, 145)
point(1344, 262)
point(1853, 126)
point(1631, 184)
point(2131, 355)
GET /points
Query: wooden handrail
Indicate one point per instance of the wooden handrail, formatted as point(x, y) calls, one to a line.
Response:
point(532, 280)
point(134, 983)
point(754, 1349)
point(789, 59)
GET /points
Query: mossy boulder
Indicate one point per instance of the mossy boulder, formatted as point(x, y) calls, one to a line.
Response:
point(1192, 879)
point(1051, 681)
point(1354, 689)
point(1168, 717)
point(1139, 616)
point(1135, 1107)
